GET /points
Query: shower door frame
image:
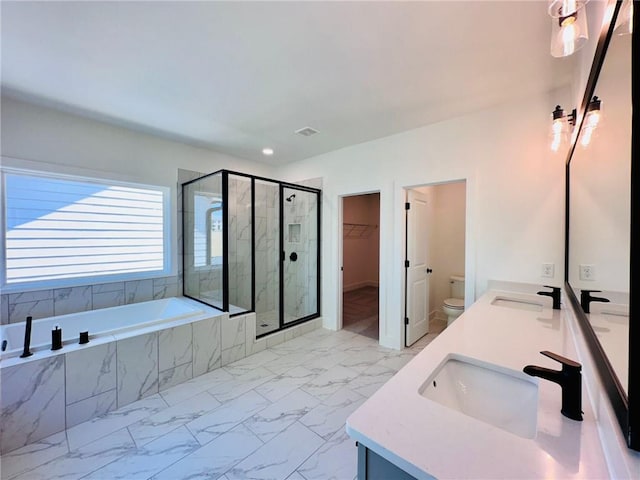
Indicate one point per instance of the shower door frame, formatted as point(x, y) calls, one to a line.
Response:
point(225, 246)
point(316, 314)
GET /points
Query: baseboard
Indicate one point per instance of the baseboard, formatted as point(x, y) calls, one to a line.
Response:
point(438, 315)
point(356, 286)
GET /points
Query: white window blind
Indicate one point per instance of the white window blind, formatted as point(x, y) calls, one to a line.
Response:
point(59, 228)
point(207, 230)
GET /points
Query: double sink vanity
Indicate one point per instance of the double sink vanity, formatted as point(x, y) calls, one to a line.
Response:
point(464, 408)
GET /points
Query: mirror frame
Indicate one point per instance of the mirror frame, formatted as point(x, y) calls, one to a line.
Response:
point(625, 405)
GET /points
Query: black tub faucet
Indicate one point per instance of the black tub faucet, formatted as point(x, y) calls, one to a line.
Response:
point(586, 299)
point(27, 339)
point(554, 294)
point(569, 379)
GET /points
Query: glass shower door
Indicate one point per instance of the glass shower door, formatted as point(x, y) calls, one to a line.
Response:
point(267, 256)
point(203, 238)
point(299, 241)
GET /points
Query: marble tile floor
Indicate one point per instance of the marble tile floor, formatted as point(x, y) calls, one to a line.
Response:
point(278, 414)
point(267, 322)
point(360, 311)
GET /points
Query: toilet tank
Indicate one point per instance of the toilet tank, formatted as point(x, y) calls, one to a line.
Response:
point(457, 286)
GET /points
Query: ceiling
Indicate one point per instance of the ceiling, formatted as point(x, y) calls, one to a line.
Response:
point(239, 76)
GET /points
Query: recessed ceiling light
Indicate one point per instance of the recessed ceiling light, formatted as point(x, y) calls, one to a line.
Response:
point(267, 151)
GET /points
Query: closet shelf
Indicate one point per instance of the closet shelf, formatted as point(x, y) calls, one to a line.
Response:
point(358, 230)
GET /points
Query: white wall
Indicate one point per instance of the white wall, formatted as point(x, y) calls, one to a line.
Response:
point(515, 198)
point(31, 132)
point(47, 139)
point(514, 201)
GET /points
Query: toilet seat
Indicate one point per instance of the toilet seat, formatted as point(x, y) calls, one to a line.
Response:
point(454, 303)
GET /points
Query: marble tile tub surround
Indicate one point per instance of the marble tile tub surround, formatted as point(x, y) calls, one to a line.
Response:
point(99, 377)
point(91, 380)
point(220, 425)
point(61, 301)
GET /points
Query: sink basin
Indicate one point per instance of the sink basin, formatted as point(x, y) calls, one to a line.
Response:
point(501, 397)
point(517, 303)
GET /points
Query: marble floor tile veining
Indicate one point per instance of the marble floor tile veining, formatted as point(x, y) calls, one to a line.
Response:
point(278, 414)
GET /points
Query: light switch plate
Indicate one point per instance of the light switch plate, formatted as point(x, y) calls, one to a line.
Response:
point(548, 270)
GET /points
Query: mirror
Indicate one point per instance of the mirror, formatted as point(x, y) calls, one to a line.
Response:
point(599, 209)
point(602, 204)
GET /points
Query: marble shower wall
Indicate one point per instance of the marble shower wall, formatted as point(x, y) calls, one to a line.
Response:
point(301, 236)
point(267, 247)
point(239, 237)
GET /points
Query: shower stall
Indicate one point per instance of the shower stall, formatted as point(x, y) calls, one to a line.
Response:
point(252, 244)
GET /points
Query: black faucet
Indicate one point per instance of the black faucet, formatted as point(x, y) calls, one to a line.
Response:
point(554, 294)
point(586, 299)
point(27, 339)
point(569, 379)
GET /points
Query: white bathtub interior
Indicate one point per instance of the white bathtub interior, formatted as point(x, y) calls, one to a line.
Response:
point(105, 321)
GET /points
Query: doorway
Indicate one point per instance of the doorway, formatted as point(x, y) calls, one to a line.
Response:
point(360, 264)
point(435, 253)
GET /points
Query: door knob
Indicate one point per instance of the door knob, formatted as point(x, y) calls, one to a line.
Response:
point(293, 257)
point(429, 270)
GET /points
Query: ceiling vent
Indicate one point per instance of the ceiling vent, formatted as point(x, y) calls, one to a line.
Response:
point(307, 131)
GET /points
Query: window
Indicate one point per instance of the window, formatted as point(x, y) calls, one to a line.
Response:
point(61, 229)
point(207, 229)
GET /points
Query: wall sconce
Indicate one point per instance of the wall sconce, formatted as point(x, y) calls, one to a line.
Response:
point(592, 119)
point(560, 126)
point(569, 31)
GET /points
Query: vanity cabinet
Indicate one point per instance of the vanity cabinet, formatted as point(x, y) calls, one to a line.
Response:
point(372, 466)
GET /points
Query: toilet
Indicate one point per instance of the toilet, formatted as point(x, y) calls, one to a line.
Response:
point(454, 306)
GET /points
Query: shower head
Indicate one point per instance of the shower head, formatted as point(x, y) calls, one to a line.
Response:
point(290, 197)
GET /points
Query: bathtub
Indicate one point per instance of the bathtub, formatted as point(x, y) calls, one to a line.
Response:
point(135, 351)
point(106, 321)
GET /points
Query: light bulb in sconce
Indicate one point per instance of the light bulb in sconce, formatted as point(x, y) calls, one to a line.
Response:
point(559, 127)
point(569, 30)
point(592, 119)
point(624, 22)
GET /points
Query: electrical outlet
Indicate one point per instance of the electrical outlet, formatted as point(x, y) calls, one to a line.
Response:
point(587, 273)
point(548, 270)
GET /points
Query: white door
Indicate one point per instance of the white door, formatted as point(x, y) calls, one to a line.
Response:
point(417, 287)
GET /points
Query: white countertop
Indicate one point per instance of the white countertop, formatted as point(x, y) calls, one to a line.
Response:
point(429, 440)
